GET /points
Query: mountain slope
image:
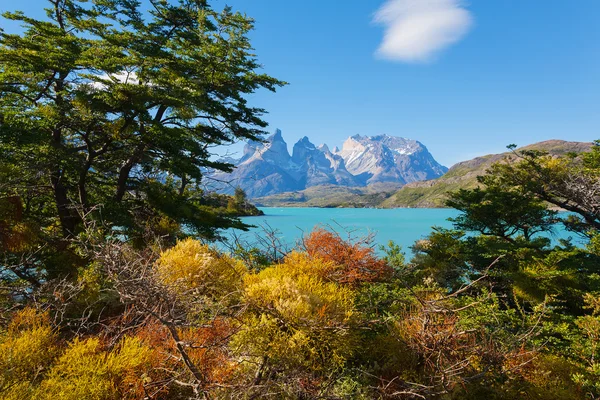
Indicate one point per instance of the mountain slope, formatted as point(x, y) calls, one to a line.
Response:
point(386, 158)
point(265, 168)
point(268, 169)
point(331, 196)
point(463, 175)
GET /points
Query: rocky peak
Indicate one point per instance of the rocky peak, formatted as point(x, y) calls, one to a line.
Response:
point(302, 150)
point(267, 167)
point(276, 137)
point(385, 158)
point(305, 141)
point(275, 150)
point(324, 148)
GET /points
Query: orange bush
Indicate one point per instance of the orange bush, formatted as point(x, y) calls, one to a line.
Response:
point(207, 347)
point(358, 262)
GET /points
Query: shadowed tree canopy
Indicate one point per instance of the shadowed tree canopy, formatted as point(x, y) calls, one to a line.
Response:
point(497, 211)
point(571, 182)
point(110, 108)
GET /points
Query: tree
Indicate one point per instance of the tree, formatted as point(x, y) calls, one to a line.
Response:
point(239, 197)
point(102, 105)
point(501, 220)
point(498, 211)
point(110, 110)
point(571, 182)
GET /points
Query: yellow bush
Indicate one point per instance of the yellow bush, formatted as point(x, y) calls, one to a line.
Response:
point(85, 371)
point(295, 290)
point(26, 350)
point(296, 318)
point(190, 265)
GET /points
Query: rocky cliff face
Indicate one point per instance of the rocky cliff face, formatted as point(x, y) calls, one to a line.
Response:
point(268, 168)
point(265, 168)
point(318, 166)
point(389, 159)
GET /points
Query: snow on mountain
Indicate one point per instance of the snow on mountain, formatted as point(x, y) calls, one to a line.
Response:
point(319, 166)
point(386, 158)
point(267, 168)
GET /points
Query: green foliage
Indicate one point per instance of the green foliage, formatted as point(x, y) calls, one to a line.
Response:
point(587, 347)
point(442, 257)
point(110, 112)
point(534, 285)
point(239, 196)
point(566, 182)
point(496, 211)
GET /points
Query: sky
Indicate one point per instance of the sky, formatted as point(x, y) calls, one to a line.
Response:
point(465, 78)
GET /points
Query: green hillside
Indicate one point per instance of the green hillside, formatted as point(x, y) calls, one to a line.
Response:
point(416, 194)
point(330, 196)
point(464, 175)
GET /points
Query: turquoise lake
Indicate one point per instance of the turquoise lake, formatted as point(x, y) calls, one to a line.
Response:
point(402, 225)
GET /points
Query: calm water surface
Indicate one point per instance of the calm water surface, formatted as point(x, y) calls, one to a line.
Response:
point(402, 225)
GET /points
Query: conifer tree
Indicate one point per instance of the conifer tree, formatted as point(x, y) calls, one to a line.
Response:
point(117, 104)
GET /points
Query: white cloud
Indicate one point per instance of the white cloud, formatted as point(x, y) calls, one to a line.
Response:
point(125, 77)
point(416, 30)
point(129, 77)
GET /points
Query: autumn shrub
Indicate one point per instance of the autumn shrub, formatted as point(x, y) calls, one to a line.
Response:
point(88, 371)
point(209, 350)
point(192, 267)
point(299, 326)
point(296, 292)
point(357, 261)
point(206, 346)
point(27, 349)
point(441, 353)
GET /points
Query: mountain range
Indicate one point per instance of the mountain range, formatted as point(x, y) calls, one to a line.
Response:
point(423, 194)
point(267, 168)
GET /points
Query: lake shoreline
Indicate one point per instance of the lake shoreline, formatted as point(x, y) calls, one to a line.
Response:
point(403, 226)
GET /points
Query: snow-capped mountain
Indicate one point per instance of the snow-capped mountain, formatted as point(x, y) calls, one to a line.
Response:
point(386, 158)
point(318, 166)
point(267, 168)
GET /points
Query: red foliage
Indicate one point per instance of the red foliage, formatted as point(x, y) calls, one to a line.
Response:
point(206, 346)
point(357, 261)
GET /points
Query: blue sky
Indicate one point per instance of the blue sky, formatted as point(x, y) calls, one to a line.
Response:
point(464, 78)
